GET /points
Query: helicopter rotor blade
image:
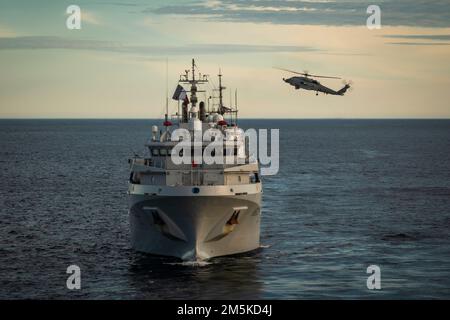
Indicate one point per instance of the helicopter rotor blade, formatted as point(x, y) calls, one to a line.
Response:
point(291, 71)
point(327, 77)
point(307, 74)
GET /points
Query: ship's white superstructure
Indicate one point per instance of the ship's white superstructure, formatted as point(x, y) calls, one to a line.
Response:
point(196, 210)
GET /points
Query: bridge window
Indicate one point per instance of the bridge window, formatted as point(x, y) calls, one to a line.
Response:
point(135, 178)
point(254, 177)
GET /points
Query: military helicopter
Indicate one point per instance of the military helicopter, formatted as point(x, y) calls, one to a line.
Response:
point(307, 83)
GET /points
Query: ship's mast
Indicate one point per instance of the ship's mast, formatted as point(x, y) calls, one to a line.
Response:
point(193, 82)
point(193, 86)
point(197, 79)
point(222, 109)
point(221, 88)
point(167, 90)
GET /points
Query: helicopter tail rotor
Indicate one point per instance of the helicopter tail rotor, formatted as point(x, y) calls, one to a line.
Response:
point(348, 84)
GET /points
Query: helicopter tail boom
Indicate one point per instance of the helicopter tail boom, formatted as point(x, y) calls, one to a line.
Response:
point(343, 90)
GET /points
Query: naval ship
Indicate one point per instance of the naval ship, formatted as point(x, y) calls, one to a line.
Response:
point(196, 211)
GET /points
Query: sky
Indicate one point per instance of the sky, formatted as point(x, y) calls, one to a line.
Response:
point(115, 65)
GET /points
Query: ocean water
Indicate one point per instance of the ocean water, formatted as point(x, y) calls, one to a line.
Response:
point(349, 194)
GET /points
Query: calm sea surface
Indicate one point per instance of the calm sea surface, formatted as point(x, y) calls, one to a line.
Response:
point(349, 194)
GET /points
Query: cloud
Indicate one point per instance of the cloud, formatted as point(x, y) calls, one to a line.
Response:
point(50, 42)
point(433, 37)
point(427, 13)
point(90, 18)
point(120, 4)
point(442, 37)
point(420, 43)
point(6, 32)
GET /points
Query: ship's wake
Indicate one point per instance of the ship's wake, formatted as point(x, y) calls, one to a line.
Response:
point(193, 263)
